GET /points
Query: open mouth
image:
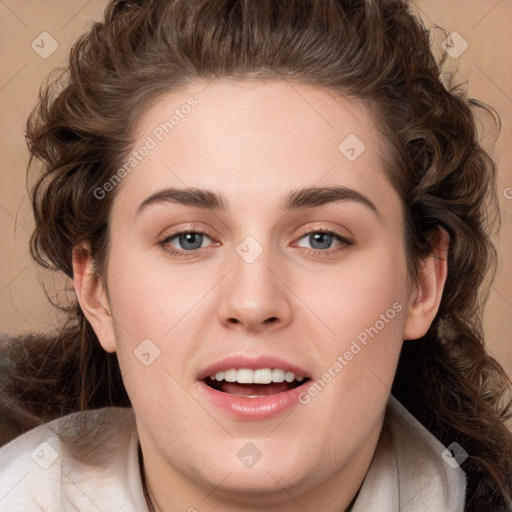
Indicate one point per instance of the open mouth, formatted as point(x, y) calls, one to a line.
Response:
point(254, 383)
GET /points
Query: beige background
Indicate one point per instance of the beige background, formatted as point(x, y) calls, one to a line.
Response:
point(485, 65)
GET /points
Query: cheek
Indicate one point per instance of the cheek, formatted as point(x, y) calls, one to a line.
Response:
point(365, 310)
point(147, 312)
point(370, 291)
point(149, 298)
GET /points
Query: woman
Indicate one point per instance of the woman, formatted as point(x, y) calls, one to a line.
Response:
point(275, 217)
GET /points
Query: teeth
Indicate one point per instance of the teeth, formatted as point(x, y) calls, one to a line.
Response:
point(244, 376)
point(289, 376)
point(259, 376)
point(277, 375)
point(262, 376)
point(230, 375)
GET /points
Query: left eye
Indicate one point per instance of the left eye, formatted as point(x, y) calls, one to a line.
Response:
point(320, 240)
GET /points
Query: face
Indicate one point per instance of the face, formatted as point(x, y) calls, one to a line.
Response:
point(258, 288)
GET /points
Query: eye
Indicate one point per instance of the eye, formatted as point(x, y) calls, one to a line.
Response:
point(318, 242)
point(187, 240)
point(322, 241)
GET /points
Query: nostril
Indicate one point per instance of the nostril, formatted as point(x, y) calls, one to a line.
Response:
point(267, 321)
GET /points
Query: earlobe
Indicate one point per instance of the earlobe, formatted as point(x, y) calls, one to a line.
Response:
point(92, 297)
point(425, 299)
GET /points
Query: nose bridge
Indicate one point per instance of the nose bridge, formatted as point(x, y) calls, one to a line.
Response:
point(252, 294)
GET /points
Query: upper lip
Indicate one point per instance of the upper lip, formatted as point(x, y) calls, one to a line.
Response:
point(251, 363)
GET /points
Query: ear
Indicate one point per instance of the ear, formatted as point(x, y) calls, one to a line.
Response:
point(91, 295)
point(425, 299)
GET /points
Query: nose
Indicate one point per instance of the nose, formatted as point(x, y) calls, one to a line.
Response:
point(254, 297)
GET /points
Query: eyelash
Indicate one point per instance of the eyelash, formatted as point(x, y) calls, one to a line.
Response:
point(346, 243)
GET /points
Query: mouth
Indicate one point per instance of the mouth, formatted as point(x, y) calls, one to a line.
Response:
point(257, 383)
point(258, 388)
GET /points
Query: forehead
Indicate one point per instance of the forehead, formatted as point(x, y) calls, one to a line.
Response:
point(255, 140)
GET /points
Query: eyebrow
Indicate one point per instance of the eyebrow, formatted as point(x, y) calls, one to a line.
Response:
point(296, 199)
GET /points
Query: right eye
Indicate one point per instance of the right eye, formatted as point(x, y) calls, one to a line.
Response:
point(185, 241)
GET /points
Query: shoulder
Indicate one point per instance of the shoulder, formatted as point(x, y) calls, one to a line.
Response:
point(411, 470)
point(84, 461)
point(432, 472)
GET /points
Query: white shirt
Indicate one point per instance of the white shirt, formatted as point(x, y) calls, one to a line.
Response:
point(38, 472)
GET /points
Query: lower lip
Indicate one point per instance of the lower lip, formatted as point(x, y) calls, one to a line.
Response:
point(254, 409)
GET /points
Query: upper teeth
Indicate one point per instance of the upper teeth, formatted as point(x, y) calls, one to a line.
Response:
point(260, 376)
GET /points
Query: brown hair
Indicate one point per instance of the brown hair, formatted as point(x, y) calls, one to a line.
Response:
point(372, 50)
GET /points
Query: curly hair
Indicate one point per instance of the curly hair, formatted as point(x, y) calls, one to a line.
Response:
point(376, 51)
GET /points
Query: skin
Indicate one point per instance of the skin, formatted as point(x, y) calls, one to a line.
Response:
point(254, 143)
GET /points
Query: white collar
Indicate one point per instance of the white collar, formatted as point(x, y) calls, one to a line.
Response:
point(408, 472)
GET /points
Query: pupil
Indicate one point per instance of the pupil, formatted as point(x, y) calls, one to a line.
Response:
point(322, 239)
point(190, 241)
